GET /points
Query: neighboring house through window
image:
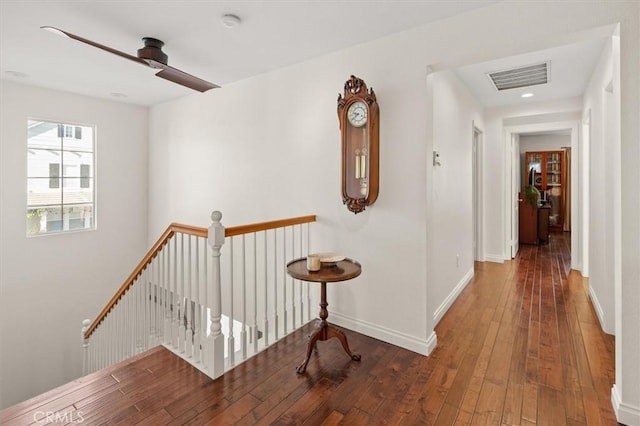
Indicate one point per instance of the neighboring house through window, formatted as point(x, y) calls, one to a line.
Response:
point(60, 177)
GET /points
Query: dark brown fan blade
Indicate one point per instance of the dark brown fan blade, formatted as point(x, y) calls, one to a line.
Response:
point(184, 79)
point(94, 44)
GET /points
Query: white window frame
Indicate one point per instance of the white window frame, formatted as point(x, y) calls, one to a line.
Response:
point(77, 211)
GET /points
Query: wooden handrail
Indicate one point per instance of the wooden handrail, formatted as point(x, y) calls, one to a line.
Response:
point(263, 226)
point(189, 230)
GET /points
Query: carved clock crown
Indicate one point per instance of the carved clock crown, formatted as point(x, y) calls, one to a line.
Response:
point(354, 85)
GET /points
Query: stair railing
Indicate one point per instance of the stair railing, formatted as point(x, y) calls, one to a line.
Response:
point(214, 307)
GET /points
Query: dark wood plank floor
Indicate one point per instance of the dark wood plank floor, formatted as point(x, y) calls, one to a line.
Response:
point(520, 346)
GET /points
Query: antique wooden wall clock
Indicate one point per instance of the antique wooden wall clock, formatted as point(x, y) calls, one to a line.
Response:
point(359, 118)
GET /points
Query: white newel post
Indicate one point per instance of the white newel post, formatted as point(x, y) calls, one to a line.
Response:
point(85, 347)
point(215, 338)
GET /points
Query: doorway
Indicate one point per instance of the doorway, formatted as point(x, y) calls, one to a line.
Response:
point(514, 178)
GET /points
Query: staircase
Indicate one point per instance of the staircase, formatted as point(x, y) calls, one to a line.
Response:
point(214, 296)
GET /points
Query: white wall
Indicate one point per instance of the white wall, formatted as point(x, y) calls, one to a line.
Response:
point(626, 391)
point(49, 284)
point(602, 148)
point(542, 143)
point(450, 237)
point(269, 147)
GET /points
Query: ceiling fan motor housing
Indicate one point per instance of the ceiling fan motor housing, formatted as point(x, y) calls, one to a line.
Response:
point(152, 52)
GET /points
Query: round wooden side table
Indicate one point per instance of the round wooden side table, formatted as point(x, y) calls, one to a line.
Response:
point(339, 271)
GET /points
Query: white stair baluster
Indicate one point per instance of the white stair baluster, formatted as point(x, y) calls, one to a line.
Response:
point(301, 302)
point(215, 342)
point(111, 349)
point(204, 317)
point(176, 295)
point(284, 281)
point(254, 327)
point(167, 294)
point(196, 306)
point(189, 305)
point(182, 331)
point(231, 341)
point(135, 326)
point(276, 268)
point(146, 294)
point(131, 322)
point(157, 301)
point(94, 343)
point(243, 330)
point(265, 322)
point(117, 332)
point(125, 302)
point(162, 297)
point(293, 283)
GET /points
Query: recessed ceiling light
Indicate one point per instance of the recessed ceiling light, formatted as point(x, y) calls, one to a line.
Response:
point(526, 95)
point(230, 20)
point(16, 74)
point(118, 95)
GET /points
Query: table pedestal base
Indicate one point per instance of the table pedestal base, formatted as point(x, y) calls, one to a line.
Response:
point(325, 331)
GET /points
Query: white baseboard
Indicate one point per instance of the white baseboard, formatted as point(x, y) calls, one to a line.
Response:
point(599, 311)
point(625, 413)
point(494, 258)
point(448, 301)
point(421, 346)
point(432, 341)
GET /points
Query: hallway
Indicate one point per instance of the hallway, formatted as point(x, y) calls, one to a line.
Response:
point(522, 345)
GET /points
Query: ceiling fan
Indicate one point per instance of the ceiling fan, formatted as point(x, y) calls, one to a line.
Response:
point(150, 55)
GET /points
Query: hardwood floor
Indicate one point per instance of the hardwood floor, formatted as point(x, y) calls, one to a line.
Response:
point(521, 345)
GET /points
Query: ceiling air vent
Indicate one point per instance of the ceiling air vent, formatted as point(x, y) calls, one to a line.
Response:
point(531, 75)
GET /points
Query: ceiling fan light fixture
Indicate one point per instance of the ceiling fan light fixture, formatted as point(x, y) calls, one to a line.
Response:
point(230, 20)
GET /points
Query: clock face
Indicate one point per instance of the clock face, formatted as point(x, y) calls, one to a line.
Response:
point(357, 114)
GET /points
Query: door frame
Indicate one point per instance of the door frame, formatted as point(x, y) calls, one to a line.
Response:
point(477, 185)
point(516, 179)
point(577, 239)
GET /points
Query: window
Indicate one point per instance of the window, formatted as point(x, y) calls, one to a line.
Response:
point(60, 178)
